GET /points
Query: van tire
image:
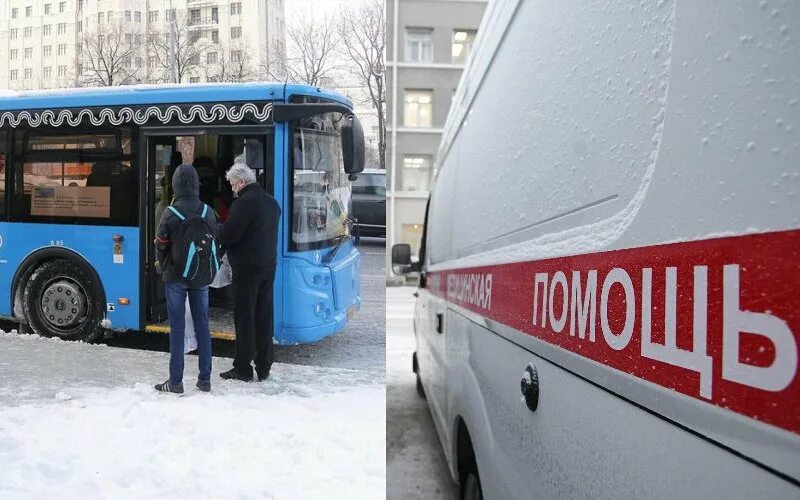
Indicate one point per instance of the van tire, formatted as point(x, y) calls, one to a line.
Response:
point(64, 281)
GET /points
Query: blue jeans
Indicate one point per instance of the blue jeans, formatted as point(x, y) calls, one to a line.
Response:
point(176, 310)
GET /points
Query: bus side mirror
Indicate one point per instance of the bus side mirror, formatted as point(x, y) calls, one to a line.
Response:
point(401, 259)
point(353, 145)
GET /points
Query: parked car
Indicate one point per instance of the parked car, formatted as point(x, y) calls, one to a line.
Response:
point(369, 204)
point(608, 301)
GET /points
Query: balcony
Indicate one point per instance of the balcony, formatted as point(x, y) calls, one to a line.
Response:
point(197, 22)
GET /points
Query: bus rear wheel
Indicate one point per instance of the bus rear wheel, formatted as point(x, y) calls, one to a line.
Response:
point(61, 300)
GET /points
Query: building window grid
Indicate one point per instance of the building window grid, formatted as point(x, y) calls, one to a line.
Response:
point(419, 45)
point(236, 8)
point(462, 45)
point(28, 52)
point(28, 73)
point(236, 33)
point(417, 171)
point(28, 11)
point(62, 28)
point(46, 8)
point(62, 6)
point(418, 108)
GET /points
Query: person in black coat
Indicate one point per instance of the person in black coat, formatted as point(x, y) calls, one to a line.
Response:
point(251, 237)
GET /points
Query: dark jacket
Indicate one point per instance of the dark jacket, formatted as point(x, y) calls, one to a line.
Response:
point(251, 231)
point(186, 186)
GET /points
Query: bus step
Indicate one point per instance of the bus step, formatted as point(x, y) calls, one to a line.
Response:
point(215, 334)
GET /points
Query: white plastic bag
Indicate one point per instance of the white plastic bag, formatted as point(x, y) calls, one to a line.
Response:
point(225, 275)
point(189, 336)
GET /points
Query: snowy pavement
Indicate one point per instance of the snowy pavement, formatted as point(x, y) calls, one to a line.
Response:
point(415, 464)
point(83, 421)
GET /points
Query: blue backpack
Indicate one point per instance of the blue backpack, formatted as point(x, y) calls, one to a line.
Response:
point(195, 251)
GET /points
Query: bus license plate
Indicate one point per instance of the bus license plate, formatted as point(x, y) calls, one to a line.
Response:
point(351, 312)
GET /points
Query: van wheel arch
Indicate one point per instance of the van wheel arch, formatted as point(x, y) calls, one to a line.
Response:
point(36, 260)
point(466, 464)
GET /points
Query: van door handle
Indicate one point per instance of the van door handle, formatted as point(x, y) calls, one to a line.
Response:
point(530, 387)
point(439, 322)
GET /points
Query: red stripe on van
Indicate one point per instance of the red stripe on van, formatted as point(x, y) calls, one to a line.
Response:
point(761, 382)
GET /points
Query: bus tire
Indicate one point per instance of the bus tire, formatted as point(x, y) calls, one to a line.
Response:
point(62, 300)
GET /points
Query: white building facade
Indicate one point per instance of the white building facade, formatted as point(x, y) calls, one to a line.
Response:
point(41, 40)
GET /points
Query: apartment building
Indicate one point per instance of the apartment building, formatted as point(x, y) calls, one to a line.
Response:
point(41, 40)
point(428, 43)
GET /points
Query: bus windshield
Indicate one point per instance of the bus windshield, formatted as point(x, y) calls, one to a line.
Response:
point(321, 199)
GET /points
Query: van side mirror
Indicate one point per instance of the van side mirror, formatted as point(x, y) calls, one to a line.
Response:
point(353, 145)
point(401, 259)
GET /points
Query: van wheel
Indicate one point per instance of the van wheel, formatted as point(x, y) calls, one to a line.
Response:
point(420, 388)
point(62, 300)
point(472, 488)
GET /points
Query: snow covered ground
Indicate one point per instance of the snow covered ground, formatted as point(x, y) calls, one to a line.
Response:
point(82, 421)
point(415, 464)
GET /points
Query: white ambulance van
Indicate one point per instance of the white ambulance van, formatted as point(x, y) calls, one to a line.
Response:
point(609, 303)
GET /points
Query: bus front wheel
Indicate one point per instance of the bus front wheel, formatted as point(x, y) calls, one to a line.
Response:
point(62, 300)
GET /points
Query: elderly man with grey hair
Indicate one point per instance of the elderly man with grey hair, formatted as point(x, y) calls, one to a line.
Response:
point(251, 236)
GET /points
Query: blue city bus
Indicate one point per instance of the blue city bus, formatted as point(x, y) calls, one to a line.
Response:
point(86, 174)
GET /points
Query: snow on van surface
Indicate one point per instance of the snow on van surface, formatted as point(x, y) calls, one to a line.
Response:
point(83, 421)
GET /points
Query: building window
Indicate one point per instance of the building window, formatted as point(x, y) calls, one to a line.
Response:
point(194, 79)
point(215, 36)
point(28, 11)
point(236, 56)
point(14, 13)
point(13, 33)
point(129, 38)
point(419, 45)
point(62, 28)
point(47, 8)
point(236, 8)
point(236, 33)
point(171, 15)
point(14, 54)
point(139, 62)
point(47, 72)
point(128, 16)
point(137, 16)
point(215, 14)
point(462, 45)
point(416, 173)
point(418, 108)
point(28, 32)
point(62, 49)
point(62, 71)
point(151, 62)
point(62, 6)
point(47, 50)
point(194, 16)
point(47, 29)
point(79, 27)
point(80, 4)
point(28, 73)
point(138, 39)
point(412, 234)
point(100, 17)
point(152, 16)
point(13, 74)
point(194, 36)
point(211, 58)
point(110, 16)
point(28, 52)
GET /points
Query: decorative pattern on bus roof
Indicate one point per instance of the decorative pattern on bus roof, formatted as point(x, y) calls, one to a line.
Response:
point(139, 116)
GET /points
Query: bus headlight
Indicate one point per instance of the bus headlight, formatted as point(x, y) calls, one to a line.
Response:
point(319, 310)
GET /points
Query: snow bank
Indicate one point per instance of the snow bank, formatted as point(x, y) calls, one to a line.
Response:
point(88, 426)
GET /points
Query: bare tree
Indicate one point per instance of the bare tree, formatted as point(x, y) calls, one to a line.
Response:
point(234, 63)
point(311, 55)
point(363, 34)
point(176, 50)
point(106, 57)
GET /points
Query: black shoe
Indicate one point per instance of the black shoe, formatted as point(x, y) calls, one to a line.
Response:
point(234, 374)
point(262, 375)
point(204, 385)
point(168, 387)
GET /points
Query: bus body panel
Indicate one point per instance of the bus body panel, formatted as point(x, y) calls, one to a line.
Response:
point(294, 318)
point(120, 276)
point(638, 140)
